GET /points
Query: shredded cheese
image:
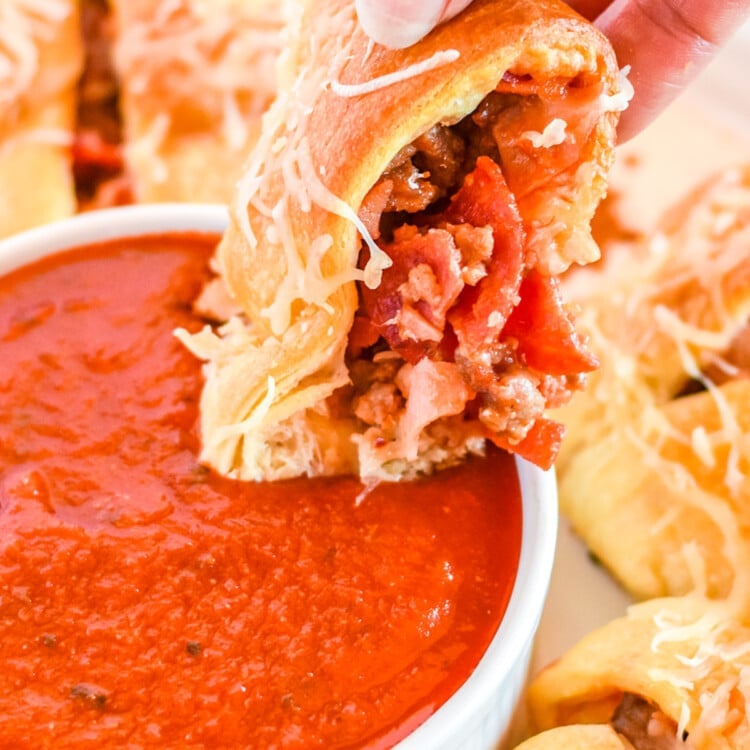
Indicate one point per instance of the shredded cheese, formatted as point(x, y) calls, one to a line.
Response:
point(438, 59)
point(285, 138)
point(709, 654)
point(665, 320)
point(183, 55)
point(552, 135)
point(42, 136)
point(24, 26)
point(620, 100)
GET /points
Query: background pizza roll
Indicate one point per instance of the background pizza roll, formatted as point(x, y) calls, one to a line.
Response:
point(672, 673)
point(40, 61)
point(676, 312)
point(663, 500)
point(655, 475)
point(195, 77)
point(471, 164)
point(577, 737)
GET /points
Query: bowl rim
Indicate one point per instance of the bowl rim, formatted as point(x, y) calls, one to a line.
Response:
point(511, 643)
point(105, 224)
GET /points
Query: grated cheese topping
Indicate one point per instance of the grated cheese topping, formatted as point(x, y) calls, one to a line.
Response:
point(620, 100)
point(25, 25)
point(708, 663)
point(438, 59)
point(668, 318)
point(185, 55)
point(553, 134)
point(285, 139)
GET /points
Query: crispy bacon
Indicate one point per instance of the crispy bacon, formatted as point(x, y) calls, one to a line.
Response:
point(484, 200)
point(540, 446)
point(463, 303)
point(547, 339)
point(424, 282)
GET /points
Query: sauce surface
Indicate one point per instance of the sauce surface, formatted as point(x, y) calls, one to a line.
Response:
point(147, 602)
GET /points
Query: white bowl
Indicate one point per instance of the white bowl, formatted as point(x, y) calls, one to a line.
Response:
point(479, 715)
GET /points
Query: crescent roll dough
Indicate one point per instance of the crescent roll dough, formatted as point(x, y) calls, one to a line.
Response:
point(40, 60)
point(657, 482)
point(195, 78)
point(673, 673)
point(454, 278)
point(577, 737)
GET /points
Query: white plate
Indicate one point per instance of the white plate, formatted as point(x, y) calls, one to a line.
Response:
point(706, 129)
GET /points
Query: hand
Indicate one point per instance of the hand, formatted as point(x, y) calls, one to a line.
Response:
point(666, 42)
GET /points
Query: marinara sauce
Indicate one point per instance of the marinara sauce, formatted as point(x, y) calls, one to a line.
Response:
point(147, 602)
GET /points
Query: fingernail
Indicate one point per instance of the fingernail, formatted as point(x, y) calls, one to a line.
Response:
point(399, 23)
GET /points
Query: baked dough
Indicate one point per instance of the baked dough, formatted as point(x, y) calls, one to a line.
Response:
point(40, 61)
point(347, 113)
point(653, 476)
point(577, 737)
point(195, 77)
point(675, 667)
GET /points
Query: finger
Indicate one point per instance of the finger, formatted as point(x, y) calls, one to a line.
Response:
point(667, 43)
point(399, 23)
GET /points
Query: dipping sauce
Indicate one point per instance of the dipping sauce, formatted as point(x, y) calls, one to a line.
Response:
point(147, 602)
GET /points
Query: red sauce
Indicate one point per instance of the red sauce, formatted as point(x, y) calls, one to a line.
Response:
point(146, 602)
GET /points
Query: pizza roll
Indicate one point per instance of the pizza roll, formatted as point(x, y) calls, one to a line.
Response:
point(195, 76)
point(656, 477)
point(677, 312)
point(40, 62)
point(671, 674)
point(394, 245)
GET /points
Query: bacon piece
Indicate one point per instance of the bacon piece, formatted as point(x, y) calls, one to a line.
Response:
point(547, 339)
point(485, 200)
point(519, 106)
point(410, 305)
point(97, 154)
point(91, 151)
point(540, 446)
point(99, 172)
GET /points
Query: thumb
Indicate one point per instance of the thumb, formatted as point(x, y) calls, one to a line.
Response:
point(399, 23)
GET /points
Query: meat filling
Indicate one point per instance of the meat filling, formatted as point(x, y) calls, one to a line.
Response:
point(463, 292)
point(98, 165)
point(644, 725)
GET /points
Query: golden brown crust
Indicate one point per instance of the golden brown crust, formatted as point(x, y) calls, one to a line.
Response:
point(37, 119)
point(353, 139)
point(346, 107)
point(649, 504)
point(640, 455)
point(686, 656)
point(577, 737)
